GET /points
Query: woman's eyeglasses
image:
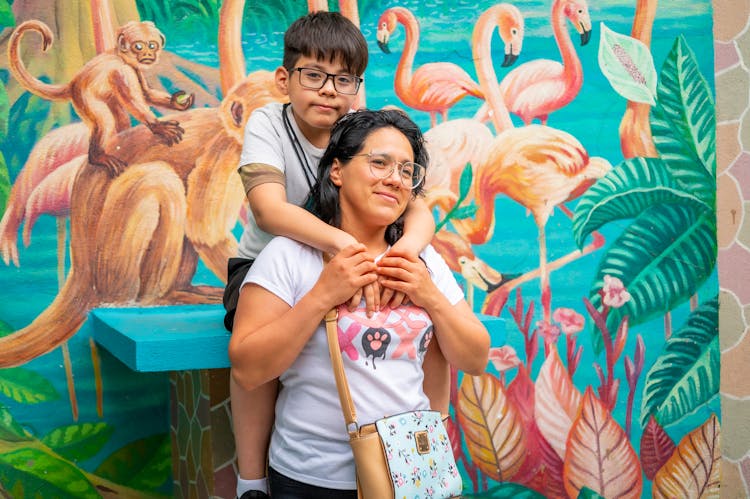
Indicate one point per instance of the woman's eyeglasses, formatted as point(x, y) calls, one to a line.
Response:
point(382, 166)
point(315, 79)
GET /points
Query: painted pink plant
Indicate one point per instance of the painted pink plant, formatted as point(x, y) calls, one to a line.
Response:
point(571, 323)
point(503, 359)
point(614, 295)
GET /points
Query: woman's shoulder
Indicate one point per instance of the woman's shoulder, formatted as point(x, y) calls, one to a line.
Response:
point(285, 247)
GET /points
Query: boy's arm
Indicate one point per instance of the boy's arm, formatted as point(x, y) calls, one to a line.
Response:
point(419, 227)
point(275, 215)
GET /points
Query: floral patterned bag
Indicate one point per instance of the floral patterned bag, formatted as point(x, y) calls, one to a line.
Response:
point(405, 455)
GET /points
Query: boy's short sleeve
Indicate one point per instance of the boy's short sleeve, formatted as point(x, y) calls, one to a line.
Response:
point(261, 142)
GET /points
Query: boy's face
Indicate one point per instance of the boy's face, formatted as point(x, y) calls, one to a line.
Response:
point(315, 111)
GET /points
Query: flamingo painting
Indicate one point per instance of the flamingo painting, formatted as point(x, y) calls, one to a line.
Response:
point(455, 143)
point(539, 167)
point(434, 87)
point(537, 88)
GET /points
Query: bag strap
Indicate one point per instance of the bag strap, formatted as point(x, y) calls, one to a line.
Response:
point(347, 404)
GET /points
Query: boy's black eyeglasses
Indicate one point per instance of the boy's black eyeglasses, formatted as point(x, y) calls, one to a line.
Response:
point(316, 79)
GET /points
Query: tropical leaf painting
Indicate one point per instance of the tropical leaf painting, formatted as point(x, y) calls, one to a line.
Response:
point(26, 386)
point(599, 455)
point(671, 199)
point(685, 376)
point(628, 65)
point(80, 441)
point(492, 427)
point(656, 448)
point(661, 258)
point(556, 402)
point(694, 470)
point(143, 464)
point(30, 469)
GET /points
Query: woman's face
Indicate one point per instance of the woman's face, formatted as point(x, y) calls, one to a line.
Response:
point(362, 195)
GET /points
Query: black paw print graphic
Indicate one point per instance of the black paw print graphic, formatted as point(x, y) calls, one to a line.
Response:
point(425, 341)
point(375, 342)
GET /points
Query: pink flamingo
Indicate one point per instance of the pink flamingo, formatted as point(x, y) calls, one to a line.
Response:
point(455, 143)
point(537, 88)
point(52, 151)
point(433, 87)
point(538, 167)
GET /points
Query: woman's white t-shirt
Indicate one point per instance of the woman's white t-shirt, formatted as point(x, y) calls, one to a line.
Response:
point(382, 359)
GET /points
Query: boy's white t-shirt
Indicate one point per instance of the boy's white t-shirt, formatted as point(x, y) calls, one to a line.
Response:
point(266, 141)
point(382, 359)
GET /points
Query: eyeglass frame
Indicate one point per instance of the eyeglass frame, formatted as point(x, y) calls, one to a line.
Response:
point(393, 167)
point(332, 76)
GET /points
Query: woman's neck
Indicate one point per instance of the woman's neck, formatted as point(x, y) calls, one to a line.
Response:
point(372, 238)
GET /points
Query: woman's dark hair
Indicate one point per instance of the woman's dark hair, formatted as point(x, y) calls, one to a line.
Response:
point(347, 138)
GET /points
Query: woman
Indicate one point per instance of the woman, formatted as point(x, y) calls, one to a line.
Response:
point(368, 173)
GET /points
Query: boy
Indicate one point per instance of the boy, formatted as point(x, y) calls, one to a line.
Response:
point(324, 58)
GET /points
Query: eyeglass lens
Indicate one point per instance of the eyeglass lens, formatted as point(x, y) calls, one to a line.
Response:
point(382, 166)
point(315, 79)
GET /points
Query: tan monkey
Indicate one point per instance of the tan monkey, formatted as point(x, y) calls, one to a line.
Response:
point(108, 87)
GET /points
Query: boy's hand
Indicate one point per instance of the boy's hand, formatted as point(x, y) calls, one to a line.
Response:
point(371, 293)
point(350, 270)
point(407, 275)
point(390, 297)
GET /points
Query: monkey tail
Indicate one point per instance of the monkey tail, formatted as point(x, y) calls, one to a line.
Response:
point(59, 321)
point(17, 67)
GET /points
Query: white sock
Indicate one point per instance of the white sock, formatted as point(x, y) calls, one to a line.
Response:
point(257, 484)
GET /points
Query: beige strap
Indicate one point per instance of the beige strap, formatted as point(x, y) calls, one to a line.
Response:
point(347, 404)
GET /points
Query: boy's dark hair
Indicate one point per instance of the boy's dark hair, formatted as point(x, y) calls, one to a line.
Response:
point(347, 138)
point(326, 35)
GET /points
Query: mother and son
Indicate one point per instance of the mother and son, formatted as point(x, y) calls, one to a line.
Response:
point(341, 191)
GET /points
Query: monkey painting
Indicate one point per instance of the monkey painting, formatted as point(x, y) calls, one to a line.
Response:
point(108, 87)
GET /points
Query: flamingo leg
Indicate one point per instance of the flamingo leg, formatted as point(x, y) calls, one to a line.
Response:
point(61, 251)
point(544, 277)
point(496, 300)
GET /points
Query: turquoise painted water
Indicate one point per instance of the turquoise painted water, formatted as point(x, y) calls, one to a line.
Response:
point(135, 404)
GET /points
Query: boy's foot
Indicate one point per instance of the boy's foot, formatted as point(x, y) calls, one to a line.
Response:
point(254, 494)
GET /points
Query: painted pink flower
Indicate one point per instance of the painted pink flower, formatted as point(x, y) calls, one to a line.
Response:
point(570, 321)
point(504, 358)
point(549, 332)
point(614, 293)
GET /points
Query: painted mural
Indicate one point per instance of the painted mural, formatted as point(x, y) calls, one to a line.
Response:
point(573, 182)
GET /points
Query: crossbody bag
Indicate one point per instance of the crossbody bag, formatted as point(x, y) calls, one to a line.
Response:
point(404, 455)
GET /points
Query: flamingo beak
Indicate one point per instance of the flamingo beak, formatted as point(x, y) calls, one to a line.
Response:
point(509, 60)
point(585, 37)
point(382, 35)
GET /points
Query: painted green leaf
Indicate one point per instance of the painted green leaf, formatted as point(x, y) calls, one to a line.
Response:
point(506, 491)
point(627, 191)
point(628, 65)
point(6, 14)
point(464, 182)
point(4, 106)
point(662, 258)
point(4, 194)
point(36, 470)
point(463, 212)
point(79, 441)
point(685, 376)
point(26, 386)
point(683, 123)
point(10, 430)
point(144, 464)
point(587, 493)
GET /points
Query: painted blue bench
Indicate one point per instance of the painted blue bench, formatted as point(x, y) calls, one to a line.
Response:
point(183, 337)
